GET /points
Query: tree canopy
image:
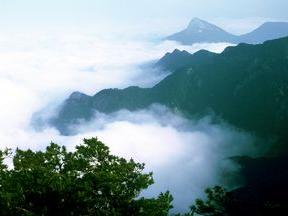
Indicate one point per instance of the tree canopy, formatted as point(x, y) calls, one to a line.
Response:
point(88, 181)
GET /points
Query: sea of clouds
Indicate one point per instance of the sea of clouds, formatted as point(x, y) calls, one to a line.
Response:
point(39, 70)
point(185, 156)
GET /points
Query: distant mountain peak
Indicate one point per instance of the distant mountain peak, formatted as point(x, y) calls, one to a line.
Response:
point(199, 24)
point(200, 31)
point(77, 95)
point(177, 51)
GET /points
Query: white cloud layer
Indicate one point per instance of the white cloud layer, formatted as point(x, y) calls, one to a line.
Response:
point(37, 70)
point(185, 156)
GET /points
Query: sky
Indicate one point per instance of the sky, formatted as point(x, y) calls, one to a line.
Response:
point(109, 14)
point(50, 48)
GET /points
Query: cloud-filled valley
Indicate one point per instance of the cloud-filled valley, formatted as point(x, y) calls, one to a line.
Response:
point(185, 156)
point(40, 70)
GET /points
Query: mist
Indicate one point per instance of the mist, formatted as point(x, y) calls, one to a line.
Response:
point(39, 70)
point(185, 156)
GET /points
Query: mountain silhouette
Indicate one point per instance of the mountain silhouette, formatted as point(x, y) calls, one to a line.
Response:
point(245, 85)
point(200, 31)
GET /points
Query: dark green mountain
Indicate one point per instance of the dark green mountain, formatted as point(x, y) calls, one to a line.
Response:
point(179, 59)
point(200, 31)
point(265, 189)
point(246, 85)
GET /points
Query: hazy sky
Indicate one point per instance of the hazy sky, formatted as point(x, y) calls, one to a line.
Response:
point(103, 13)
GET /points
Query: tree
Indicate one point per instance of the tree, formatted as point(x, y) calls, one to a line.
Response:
point(89, 181)
point(215, 204)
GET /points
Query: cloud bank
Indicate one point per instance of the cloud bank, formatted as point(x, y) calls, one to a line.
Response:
point(40, 70)
point(185, 156)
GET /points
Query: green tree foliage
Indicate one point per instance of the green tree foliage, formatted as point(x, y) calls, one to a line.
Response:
point(88, 181)
point(247, 200)
point(215, 204)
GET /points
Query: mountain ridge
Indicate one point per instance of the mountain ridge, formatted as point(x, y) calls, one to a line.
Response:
point(200, 31)
point(245, 85)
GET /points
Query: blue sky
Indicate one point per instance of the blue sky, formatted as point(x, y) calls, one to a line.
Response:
point(45, 13)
